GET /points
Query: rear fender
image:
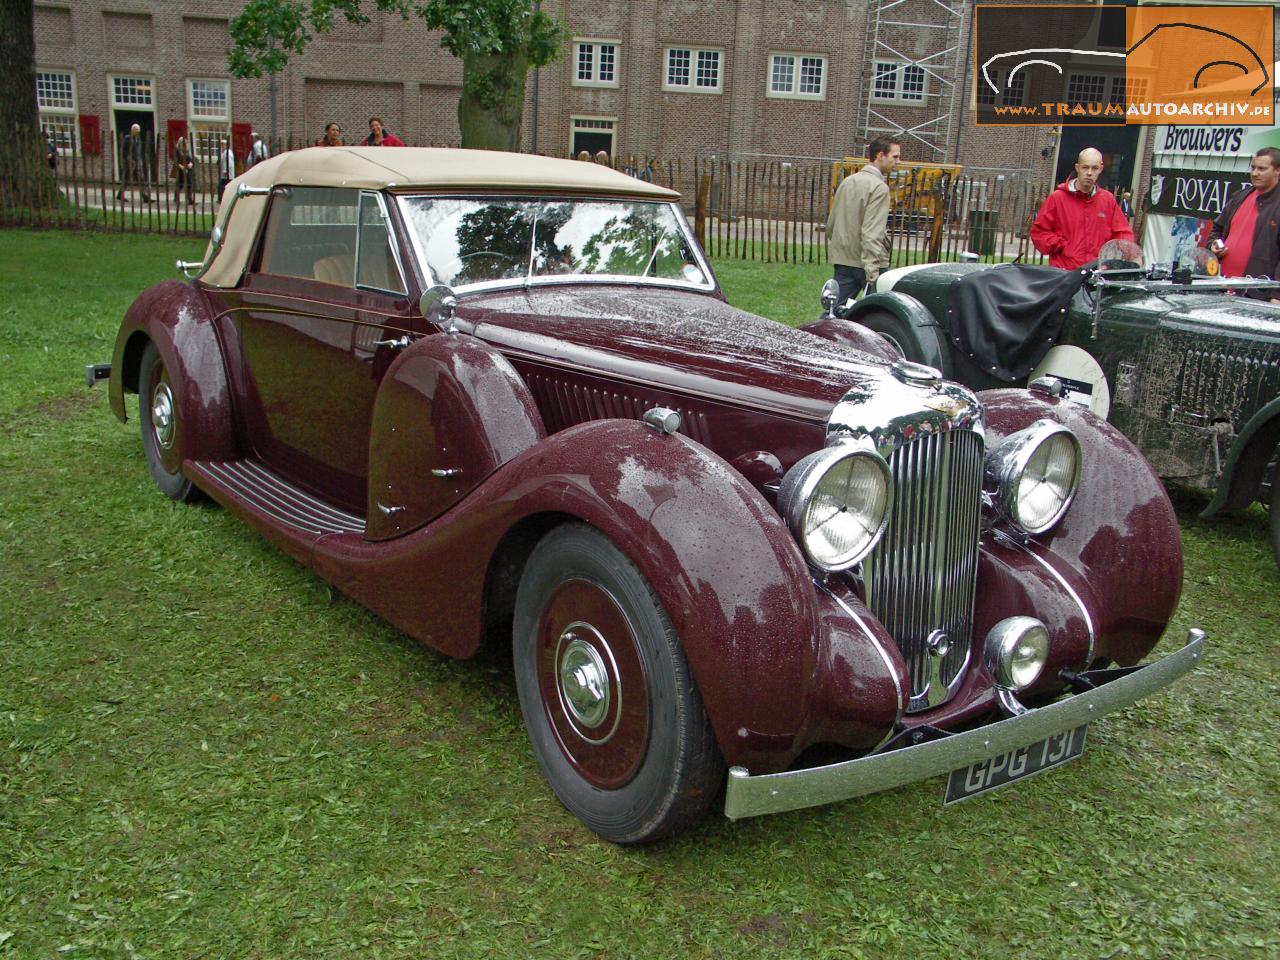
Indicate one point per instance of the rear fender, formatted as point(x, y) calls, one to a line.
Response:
point(1119, 541)
point(724, 566)
point(1247, 461)
point(930, 337)
point(175, 317)
point(450, 411)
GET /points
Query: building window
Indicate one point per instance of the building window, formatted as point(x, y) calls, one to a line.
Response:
point(1086, 88)
point(798, 76)
point(131, 92)
point(595, 63)
point(1010, 92)
point(1015, 92)
point(1132, 89)
point(903, 82)
point(912, 82)
point(56, 101)
point(209, 116)
point(692, 70)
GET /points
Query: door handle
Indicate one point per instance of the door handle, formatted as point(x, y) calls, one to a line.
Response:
point(399, 343)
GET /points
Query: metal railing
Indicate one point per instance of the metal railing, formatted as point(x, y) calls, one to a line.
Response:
point(753, 209)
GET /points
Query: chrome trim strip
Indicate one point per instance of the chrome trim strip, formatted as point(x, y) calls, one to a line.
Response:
point(287, 494)
point(903, 692)
point(1014, 542)
point(748, 796)
point(280, 500)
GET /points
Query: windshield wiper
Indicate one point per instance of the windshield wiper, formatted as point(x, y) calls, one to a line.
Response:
point(533, 246)
point(657, 245)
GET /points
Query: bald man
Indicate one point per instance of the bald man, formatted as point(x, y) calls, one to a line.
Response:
point(1077, 219)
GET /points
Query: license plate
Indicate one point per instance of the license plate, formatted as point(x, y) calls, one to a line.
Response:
point(1015, 765)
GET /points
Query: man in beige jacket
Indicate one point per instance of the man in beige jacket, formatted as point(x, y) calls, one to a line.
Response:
point(858, 225)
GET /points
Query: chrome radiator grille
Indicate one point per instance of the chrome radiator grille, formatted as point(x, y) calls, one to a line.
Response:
point(921, 577)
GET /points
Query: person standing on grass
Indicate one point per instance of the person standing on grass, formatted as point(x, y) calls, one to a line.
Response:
point(226, 167)
point(184, 172)
point(135, 167)
point(858, 225)
point(257, 152)
point(1078, 218)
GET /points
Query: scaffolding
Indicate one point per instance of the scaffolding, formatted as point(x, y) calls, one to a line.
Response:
point(935, 28)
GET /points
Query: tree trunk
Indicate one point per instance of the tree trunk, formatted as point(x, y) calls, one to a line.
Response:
point(27, 177)
point(492, 102)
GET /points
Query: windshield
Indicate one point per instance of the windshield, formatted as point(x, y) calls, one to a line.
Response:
point(466, 240)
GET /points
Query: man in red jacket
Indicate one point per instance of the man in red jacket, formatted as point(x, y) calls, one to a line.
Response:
point(1077, 219)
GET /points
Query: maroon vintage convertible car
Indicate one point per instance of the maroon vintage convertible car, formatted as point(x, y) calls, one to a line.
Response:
point(498, 396)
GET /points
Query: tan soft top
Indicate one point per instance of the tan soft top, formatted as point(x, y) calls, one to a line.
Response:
point(378, 168)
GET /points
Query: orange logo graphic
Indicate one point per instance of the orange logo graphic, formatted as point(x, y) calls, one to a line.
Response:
point(1125, 65)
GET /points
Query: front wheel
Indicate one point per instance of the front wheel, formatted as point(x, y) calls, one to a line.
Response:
point(609, 702)
point(159, 422)
point(900, 336)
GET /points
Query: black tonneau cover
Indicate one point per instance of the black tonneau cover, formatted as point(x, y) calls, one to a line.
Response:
point(1008, 317)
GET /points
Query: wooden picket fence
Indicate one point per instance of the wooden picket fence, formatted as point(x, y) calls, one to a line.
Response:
point(765, 210)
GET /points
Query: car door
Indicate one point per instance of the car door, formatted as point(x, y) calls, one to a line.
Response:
point(317, 323)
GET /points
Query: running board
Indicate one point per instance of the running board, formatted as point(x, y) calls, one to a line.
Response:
point(253, 485)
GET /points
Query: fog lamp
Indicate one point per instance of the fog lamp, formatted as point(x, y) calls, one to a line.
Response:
point(1015, 651)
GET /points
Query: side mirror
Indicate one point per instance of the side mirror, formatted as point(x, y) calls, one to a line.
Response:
point(830, 290)
point(438, 304)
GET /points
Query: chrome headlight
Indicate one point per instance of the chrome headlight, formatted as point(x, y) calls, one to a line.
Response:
point(1036, 472)
point(837, 503)
point(1015, 651)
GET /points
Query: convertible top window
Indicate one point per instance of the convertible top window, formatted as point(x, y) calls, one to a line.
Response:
point(318, 233)
point(465, 240)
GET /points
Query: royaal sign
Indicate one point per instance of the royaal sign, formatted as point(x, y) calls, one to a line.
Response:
point(1193, 193)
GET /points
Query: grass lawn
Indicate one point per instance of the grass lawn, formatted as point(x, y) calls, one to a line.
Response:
point(206, 753)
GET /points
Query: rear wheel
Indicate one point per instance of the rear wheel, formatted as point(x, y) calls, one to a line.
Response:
point(159, 422)
point(609, 702)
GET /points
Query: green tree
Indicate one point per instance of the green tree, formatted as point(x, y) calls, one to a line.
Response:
point(498, 41)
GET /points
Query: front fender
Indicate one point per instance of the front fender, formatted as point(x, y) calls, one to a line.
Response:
point(724, 566)
point(930, 337)
point(449, 404)
point(844, 331)
point(1247, 461)
point(1119, 540)
point(175, 317)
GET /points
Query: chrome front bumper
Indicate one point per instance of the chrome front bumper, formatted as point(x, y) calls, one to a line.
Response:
point(748, 796)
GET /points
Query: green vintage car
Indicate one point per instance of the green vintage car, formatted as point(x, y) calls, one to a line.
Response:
point(1186, 364)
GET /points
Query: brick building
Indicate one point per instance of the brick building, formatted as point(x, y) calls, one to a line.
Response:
point(786, 79)
point(790, 79)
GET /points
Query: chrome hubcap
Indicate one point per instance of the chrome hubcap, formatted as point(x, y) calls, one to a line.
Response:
point(584, 675)
point(162, 415)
